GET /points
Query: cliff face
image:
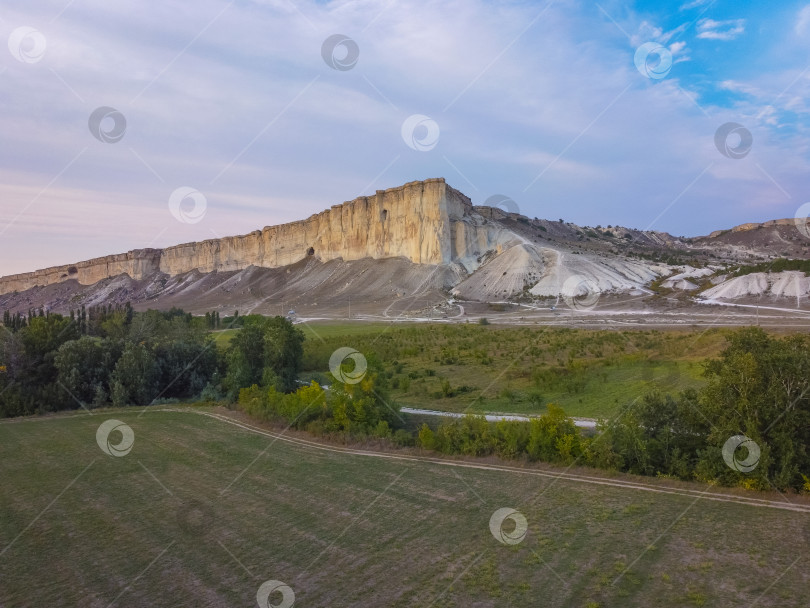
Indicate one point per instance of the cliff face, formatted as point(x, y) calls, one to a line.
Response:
point(426, 222)
point(754, 225)
point(137, 264)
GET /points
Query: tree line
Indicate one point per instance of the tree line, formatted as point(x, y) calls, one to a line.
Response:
point(758, 389)
point(112, 355)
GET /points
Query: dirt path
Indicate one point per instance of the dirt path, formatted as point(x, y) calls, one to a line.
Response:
point(588, 423)
point(564, 475)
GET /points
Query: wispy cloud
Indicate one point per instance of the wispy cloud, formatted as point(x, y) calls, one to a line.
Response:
point(650, 32)
point(709, 29)
point(694, 4)
point(803, 21)
point(545, 104)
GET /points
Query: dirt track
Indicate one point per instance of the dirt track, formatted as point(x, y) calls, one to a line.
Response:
point(564, 475)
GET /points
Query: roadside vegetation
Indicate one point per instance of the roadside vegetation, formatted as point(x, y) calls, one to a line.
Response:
point(672, 424)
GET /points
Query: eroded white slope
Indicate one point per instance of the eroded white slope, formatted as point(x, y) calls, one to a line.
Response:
point(790, 283)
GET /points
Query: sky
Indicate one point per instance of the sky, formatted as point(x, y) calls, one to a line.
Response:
point(129, 124)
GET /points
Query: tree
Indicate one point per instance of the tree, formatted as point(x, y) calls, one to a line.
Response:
point(136, 375)
point(84, 367)
point(264, 351)
point(245, 359)
point(186, 364)
point(283, 351)
point(759, 388)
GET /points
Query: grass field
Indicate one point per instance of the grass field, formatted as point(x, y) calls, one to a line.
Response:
point(458, 367)
point(201, 513)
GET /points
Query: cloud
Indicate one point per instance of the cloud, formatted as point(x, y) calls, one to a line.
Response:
point(679, 52)
point(647, 32)
point(242, 107)
point(739, 87)
point(694, 4)
point(803, 21)
point(709, 29)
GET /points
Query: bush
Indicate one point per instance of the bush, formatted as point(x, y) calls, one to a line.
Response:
point(403, 438)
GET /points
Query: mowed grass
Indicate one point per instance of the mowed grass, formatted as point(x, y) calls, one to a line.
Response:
point(201, 512)
point(479, 369)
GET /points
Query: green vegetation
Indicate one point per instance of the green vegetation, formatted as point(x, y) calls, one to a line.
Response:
point(352, 410)
point(758, 389)
point(664, 422)
point(107, 355)
point(521, 370)
point(777, 265)
point(265, 351)
point(201, 512)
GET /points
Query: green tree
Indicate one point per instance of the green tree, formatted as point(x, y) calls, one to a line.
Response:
point(283, 351)
point(760, 388)
point(84, 367)
point(136, 375)
point(264, 351)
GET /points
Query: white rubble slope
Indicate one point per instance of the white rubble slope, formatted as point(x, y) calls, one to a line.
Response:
point(681, 280)
point(789, 283)
point(550, 272)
